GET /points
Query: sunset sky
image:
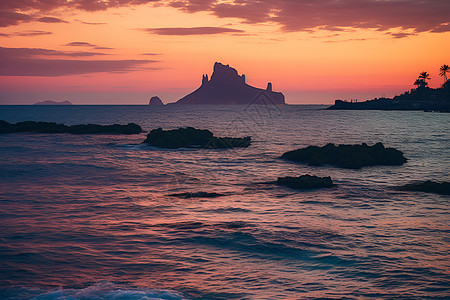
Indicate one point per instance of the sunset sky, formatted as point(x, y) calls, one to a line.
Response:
point(125, 51)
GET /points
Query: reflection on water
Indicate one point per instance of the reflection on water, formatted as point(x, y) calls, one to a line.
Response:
point(91, 216)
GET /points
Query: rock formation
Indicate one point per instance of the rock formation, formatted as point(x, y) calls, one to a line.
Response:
point(305, 182)
point(428, 186)
point(192, 138)
point(347, 156)
point(155, 100)
point(226, 86)
point(51, 127)
point(200, 194)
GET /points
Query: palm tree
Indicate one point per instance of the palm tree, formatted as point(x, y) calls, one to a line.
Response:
point(420, 83)
point(444, 69)
point(424, 76)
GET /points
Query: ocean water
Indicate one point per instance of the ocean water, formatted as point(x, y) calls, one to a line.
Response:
point(90, 216)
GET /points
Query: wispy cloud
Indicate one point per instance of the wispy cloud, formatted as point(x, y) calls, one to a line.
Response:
point(191, 30)
point(86, 44)
point(31, 33)
point(37, 62)
point(50, 20)
point(92, 23)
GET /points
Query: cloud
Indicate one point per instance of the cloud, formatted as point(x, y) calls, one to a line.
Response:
point(291, 15)
point(8, 18)
point(39, 52)
point(30, 62)
point(191, 30)
point(307, 15)
point(50, 20)
point(400, 35)
point(81, 44)
point(26, 33)
point(92, 23)
point(86, 44)
point(31, 33)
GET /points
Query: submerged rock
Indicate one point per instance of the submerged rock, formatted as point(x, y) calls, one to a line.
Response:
point(192, 138)
point(51, 127)
point(347, 156)
point(305, 182)
point(197, 195)
point(428, 186)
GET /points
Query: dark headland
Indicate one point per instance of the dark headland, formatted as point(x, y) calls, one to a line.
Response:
point(226, 86)
point(420, 98)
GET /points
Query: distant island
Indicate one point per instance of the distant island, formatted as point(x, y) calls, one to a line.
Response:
point(155, 100)
point(50, 102)
point(420, 98)
point(226, 86)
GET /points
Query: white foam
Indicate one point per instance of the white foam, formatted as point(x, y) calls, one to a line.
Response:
point(107, 290)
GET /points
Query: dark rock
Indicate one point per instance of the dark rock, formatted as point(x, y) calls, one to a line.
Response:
point(305, 182)
point(347, 156)
point(428, 186)
point(50, 102)
point(155, 101)
point(226, 86)
point(51, 127)
point(192, 138)
point(197, 195)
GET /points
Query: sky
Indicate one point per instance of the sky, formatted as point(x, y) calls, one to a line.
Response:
point(126, 51)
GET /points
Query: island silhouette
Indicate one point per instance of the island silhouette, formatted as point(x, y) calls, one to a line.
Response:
point(51, 102)
point(420, 98)
point(155, 100)
point(226, 86)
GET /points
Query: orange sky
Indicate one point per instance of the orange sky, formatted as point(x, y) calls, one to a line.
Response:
point(313, 54)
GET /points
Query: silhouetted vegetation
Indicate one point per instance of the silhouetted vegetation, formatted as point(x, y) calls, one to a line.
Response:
point(443, 72)
point(420, 98)
point(305, 182)
point(51, 127)
point(192, 138)
point(347, 156)
point(428, 186)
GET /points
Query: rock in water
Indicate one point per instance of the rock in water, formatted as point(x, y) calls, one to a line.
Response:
point(192, 138)
point(428, 186)
point(305, 182)
point(347, 156)
point(51, 127)
point(200, 194)
point(226, 86)
point(155, 101)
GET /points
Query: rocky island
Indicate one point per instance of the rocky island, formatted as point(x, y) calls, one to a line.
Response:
point(155, 101)
point(226, 86)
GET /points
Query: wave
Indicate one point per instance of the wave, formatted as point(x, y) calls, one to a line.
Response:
point(103, 290)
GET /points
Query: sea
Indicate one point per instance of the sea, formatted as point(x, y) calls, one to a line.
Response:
point(92, 216)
